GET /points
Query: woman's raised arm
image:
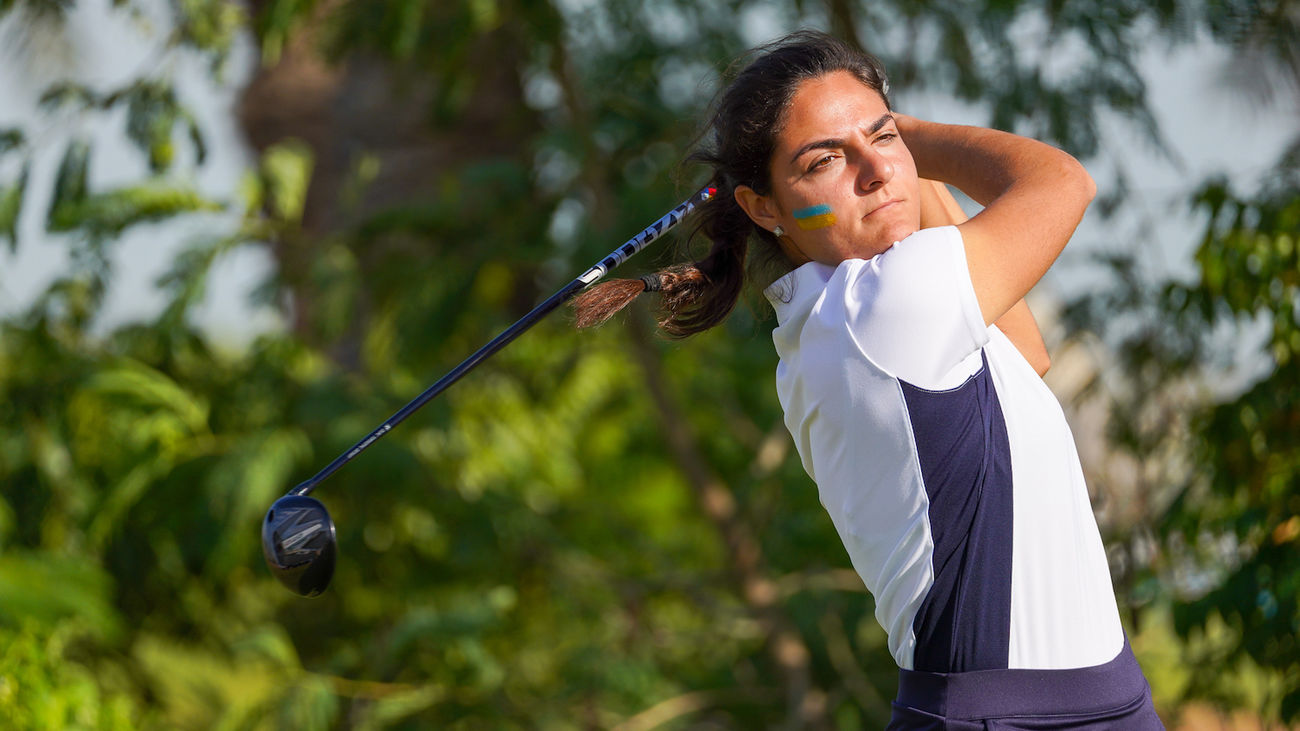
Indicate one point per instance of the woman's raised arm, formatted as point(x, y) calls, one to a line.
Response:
point(939, 208)
point(1033, 196)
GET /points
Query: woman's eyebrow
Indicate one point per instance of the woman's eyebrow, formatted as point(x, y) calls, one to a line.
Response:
point(818, 145)
point(832, 143)
point(885, 119)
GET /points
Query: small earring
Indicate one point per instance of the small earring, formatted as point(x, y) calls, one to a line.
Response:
point(778, 232)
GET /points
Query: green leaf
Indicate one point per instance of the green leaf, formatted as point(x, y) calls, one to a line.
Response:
point(69, 182)
point(11, 139)
point(196, 137)
point(142, 387)
point(44, 683)
point(286, 172)
point(393, 708)
point(310, 705)
point(43, 9)
point(152, 113)
point(11, 203)
point(209, 26)
point(271, 644)
point(45, 588)
point(187, 278)
point(68, 94)
point(279, 19)
point(248, 479)
point(110, 213)
point(199, 686)
point(486, 14)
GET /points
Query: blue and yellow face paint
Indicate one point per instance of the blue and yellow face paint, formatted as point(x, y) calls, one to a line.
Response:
point(814, 217)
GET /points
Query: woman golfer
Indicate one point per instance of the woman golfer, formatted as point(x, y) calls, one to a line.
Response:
point(910, 379)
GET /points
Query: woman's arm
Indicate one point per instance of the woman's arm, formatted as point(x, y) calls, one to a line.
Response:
point(1033, 196)
point(939, 208)
point(1022, 330)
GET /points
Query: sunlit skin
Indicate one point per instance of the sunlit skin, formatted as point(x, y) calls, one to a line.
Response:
point(839, 146)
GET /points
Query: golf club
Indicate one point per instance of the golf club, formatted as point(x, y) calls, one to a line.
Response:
point(298, 537)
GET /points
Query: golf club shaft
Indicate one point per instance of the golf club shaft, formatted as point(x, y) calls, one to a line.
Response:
point(651, 233)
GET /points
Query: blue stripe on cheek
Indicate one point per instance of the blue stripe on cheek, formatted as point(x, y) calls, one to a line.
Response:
point(810, 211)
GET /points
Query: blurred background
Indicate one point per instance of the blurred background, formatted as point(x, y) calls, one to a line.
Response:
point(234, 237)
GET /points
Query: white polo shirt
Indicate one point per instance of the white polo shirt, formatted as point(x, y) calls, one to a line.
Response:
point(944, 462)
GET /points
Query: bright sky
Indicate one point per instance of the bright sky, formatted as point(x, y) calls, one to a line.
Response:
point(104, 48)
point(1209, 129)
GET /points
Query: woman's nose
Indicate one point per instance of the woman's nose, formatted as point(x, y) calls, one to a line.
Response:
point(874, 170)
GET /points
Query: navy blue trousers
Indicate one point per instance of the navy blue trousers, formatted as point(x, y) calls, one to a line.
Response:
point(1110, 697)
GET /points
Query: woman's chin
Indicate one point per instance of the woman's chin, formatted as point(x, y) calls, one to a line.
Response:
point(901, 231)
point(883, 240)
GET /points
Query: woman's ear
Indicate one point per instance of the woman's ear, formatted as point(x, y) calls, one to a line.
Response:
point(761, 209)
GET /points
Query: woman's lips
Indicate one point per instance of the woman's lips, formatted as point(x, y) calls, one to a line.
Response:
point(881, 207)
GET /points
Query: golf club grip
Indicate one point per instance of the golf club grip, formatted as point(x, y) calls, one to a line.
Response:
point(616, 257)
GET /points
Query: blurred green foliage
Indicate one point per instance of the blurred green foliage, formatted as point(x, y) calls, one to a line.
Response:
point(1229, 523)
point(593, 530)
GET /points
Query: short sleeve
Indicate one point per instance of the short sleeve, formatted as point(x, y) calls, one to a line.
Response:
point(914, 312)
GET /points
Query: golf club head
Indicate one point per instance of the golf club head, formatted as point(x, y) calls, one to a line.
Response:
point(298, 542)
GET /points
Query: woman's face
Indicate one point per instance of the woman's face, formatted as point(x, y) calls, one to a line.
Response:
point(843, 183)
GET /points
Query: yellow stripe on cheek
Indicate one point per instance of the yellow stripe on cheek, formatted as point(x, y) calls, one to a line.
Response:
point(815, 222)
point(814, 217)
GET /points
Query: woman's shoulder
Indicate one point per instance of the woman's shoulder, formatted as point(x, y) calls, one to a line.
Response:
point(910, 309)
point(927, 247)
point(899, 274)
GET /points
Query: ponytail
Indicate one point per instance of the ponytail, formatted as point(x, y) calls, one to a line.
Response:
point(693, 297)
point(739, 142)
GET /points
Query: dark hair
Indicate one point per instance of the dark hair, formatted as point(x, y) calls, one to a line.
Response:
point(737, 145)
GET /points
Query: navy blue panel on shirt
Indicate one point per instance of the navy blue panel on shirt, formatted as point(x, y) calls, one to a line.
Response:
point(964, 623)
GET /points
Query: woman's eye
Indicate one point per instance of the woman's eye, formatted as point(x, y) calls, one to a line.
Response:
point(821, 163)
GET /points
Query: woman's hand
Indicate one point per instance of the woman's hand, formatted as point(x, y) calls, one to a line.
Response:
point(1033, 196)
